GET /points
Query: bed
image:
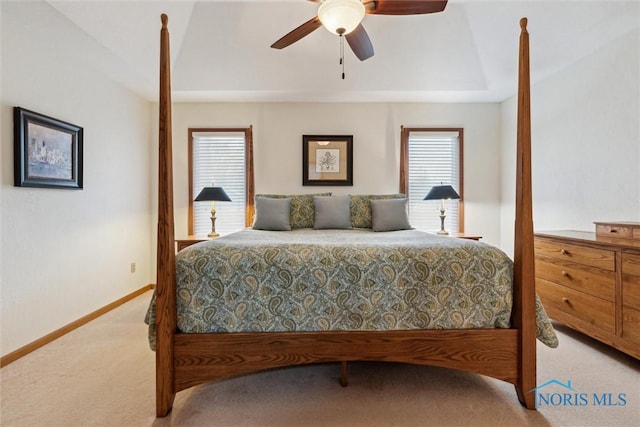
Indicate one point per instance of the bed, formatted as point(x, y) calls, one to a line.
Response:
point(196, 343)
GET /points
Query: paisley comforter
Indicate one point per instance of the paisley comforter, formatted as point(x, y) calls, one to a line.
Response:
point(321, 280)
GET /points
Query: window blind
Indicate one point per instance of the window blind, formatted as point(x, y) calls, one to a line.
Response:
point(433, 159)
point(219, 159)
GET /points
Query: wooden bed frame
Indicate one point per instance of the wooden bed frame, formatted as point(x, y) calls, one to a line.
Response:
point(186, 360)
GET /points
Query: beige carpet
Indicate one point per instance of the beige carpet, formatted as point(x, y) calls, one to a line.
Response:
point(103, 375)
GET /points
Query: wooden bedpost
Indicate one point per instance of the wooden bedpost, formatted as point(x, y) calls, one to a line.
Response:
point(524, 305)
point(166, 265)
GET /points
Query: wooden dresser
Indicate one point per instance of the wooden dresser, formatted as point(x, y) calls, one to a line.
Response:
point(591, 281)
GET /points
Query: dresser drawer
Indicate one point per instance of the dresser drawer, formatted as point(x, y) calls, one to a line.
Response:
point(631, 291)
point(631, 263)
point(612, 230)
point(590, 280)
point(592, 310)
point(631, 325)
point(600, 258)
point(631, 280)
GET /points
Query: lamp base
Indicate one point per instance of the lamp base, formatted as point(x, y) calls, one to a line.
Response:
point(213, 221)
point(442, 231)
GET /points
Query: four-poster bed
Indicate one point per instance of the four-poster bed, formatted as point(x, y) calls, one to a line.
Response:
point(184, 360)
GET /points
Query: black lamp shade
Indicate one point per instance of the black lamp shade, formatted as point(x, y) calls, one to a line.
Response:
point(439, 192)
point(213, 194)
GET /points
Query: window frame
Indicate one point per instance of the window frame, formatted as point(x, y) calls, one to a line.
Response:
point(404, 163)
point(249, 172)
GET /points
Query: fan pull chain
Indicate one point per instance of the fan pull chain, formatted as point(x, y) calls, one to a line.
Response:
point(342, 54)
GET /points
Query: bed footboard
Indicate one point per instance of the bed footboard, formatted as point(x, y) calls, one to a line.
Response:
point(201, 358)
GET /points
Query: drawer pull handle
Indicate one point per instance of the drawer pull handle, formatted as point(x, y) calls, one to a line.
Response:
point(564, 252)
point(565, 274)
point(565, 300)
point(613, 230)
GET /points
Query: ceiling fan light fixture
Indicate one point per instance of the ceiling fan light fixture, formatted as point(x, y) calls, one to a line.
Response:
point(341, 16)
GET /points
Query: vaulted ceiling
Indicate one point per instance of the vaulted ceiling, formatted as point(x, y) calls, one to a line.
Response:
point(221, 49)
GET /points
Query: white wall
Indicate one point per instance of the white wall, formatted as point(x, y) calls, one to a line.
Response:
point(585, 143)
point(278, 130)
point(66, 253)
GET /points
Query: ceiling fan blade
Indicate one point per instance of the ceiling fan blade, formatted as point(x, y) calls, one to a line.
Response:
point(405, 7)
point(300, 32)
point(360, 43)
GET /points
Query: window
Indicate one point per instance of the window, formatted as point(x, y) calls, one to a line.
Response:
point(432, 156)
point(223, 157)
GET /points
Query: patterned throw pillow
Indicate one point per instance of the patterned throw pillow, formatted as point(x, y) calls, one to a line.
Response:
point(302, 208)
point(361, 216)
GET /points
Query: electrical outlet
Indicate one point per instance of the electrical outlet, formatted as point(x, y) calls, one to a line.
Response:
point(133, 267)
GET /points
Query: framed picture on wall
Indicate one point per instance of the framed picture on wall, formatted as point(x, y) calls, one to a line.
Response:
point(327, 160)
point(47, 151)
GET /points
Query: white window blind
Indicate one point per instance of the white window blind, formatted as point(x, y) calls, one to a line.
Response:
point(219, 159)
point(433, 159)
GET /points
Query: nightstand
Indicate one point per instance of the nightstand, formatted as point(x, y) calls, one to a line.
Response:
point(465, 236)
point(190, 240)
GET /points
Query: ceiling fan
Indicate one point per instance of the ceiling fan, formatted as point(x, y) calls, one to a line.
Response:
point(343, 17)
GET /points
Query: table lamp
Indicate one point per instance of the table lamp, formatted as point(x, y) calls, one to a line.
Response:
point(442, 192)
point(213, 194)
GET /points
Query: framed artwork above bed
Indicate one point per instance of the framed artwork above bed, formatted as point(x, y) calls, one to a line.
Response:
point(327, 160)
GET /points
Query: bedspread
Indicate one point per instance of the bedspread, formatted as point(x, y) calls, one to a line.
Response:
point(343, 280)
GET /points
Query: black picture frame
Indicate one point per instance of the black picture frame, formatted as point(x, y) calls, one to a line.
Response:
point(327, 160)
point(47, 151)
